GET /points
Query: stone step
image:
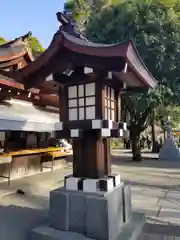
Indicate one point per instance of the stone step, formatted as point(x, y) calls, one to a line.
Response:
point(133, 229)
point(48, 233)
point(130, 231)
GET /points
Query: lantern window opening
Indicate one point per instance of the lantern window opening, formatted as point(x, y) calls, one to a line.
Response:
point(110, 103)
point(81, 101)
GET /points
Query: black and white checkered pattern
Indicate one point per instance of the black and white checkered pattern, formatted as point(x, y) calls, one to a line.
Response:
point(58, 126)
point(105, 128)
point(104, 124)
point(103, 133)
point(69, 133)
point(92, 185)
point(114, 133)
point(90, 125)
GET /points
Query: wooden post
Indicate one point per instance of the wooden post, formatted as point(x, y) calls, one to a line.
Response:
point(118, 106)
point(91, 158)
point(107, 153)
point(63, 105)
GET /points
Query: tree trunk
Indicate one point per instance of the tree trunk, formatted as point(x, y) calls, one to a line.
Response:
point(153, 133)
point(136, 147)
point(164, 131)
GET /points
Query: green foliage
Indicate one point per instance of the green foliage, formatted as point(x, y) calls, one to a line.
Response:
point(116, 143)
point(154, 27)
point(140, 114)
point(154, 32)
point(79, 9)
point(35, 46)
point(2, 40)
point(82, 9)
point(162, 112)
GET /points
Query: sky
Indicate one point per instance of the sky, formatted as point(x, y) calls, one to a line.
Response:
point(18, 17)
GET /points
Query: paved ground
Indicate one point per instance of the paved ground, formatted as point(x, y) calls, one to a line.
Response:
point(146, 154)
point(155, 191)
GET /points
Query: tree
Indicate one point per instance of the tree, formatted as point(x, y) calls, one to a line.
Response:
point(162, 112)
point(35, 46)
point(2, 40)
point(154, 28)
point(140, 117)
point(80, 10)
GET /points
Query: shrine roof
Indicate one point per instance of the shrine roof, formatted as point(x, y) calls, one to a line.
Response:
point(69, 50)
point(14, 51)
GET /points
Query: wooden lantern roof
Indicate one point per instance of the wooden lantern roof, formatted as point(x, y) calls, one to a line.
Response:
point(69, 50)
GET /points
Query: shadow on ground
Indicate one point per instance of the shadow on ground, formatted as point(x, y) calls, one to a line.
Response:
point(140, 184)
point(161, 227)
point(17, 222)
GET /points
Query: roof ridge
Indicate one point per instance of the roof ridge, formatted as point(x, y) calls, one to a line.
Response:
point(21, 38)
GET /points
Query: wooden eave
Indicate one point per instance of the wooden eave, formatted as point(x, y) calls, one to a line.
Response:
point(41, 97)
point(7, 64)
point(45, 88)
point(50, 87)
point(12, 56)
point(25, 53)
point(58, 57)
point(10, 83)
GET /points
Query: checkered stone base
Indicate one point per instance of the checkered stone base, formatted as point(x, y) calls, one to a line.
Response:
point(77, 133)
point(105, 128)
point(92, 185)
point(90, 125)
point(114, 133)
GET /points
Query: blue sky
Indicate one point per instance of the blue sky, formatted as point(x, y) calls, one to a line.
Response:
point(17, 17)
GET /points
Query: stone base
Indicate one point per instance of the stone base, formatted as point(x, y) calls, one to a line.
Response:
point(99, 215)
point(83, 215)
point(130, 231)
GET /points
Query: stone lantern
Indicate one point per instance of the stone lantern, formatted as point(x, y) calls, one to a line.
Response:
point(90, 115)
point(94, 203)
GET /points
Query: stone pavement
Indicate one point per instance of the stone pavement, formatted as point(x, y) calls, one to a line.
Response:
point(157, 237)
point(155, 191)
point(124, 153)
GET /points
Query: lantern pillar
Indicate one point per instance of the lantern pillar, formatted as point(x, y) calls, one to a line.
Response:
point(94, 203)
